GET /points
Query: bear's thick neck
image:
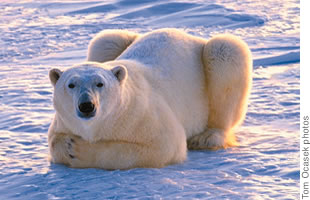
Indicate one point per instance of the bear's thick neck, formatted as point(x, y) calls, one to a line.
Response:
point(133, 106)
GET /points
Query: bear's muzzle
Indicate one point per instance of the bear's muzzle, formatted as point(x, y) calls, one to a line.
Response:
point(86, 108)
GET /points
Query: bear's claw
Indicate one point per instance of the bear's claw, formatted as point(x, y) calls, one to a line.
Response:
point(69, 144)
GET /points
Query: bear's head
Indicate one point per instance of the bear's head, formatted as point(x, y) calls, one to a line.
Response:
point(86, 94)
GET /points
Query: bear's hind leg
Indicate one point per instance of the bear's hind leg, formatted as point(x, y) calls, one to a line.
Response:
point(109, 44)
point(228, 69)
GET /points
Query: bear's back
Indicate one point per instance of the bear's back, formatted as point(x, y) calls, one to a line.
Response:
point(159, 47)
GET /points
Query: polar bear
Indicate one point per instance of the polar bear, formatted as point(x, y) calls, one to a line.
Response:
point(140, 100)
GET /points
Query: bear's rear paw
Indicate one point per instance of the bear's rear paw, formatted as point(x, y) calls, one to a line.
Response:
point(212, 139)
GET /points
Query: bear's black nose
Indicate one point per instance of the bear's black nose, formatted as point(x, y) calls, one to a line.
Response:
point(86, 107)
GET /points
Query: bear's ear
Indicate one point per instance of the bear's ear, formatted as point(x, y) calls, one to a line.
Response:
point(120, 72)
point(54, 75)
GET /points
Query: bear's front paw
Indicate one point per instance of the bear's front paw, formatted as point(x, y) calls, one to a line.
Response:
point(70, 147)
point(78, 152)
point(210, 139)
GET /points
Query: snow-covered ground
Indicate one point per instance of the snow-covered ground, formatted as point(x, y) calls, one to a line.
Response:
point(37, 36)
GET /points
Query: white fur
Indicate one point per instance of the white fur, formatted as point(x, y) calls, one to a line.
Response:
point(174, 87)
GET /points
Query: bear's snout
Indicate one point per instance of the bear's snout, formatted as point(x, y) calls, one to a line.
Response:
point(86, 107)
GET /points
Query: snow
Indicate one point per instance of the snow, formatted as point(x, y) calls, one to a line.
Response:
point(37, 36)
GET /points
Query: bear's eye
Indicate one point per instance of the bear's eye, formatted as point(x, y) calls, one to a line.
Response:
point(99, 85)
point(71, 85)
